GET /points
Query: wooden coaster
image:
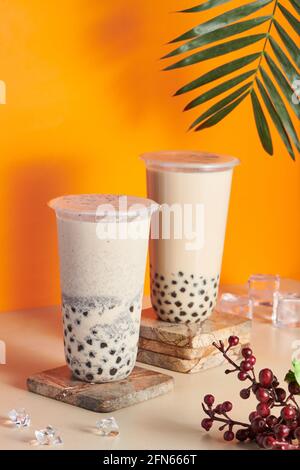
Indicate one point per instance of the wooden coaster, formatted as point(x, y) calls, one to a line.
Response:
point(188, 348)
point(141, 385)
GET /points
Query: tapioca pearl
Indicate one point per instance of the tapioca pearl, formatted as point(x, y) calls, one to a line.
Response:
point(161, 311)
point(190, 304)
point(210, 304)
point(155, 308)
point(187, 322)
point(201, 292)
point(103, 345)
point(195, 284)
point(182, 313)
point(67, 316)
point(178, 303)
point(157, 285)
point(198, 320)
point(166, 286)
point(171, 312)
point(167, 302)
point(206, 298)
point(113, 371)
point(174, 294)
point(174, 282)
point(131, 308)
point(77, 371)
point(194, 314)
point(89, 341)
point(70, 328)
point(92, 354)
point(177, 320)
point(88, 364)
point(118, 360)
point(186, 282)
point(192, 276)
point(77, 321)
point(180, 274)
point(69, 350)
point(112, 352)
point(162, 293)
point(156, 275)
point(128, 362)
point(85, 313)
point(192, 294)
point(182, 289)
point(65, 332)
point(215, 294)
point(204, 313)
point(89, 377)
point(159, 302)
point(95, 332)
point(162, 278)
point(80, 347)
point(73, 309)
point(215, 285)
point(204, 282)
point(72, 339)
point(201, 306)
point(68, 360)
point(99, 371)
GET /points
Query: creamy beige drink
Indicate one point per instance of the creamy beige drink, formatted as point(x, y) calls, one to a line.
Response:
point(185, 271)
point(102, 266)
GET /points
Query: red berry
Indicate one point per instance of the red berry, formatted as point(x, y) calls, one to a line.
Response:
point(266, 377)
point(255, 387)
point(262, 395)
point(245, 393)
point(297, 434)
point(233, 341)
point(281, 431)
point(294, 388)
point(280, 394)
point(242, 376)
point(209, 400)
point(258, 425)
point(245, 366)
point(246, 352)
point(263, 410)
point(269, 442)
point(260, 439)
point(218, 409)
point(288, 413)
point(242, 435)
point(252, 360)
point(253, 415)
point(226, 406)
point(271, 421)
point(207, 423)
point(228, 436)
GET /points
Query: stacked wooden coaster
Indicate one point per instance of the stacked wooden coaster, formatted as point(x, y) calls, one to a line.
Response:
point(188, 348)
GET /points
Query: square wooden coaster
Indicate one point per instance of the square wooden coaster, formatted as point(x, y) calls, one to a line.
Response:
point(188, 348)
point(141, 385)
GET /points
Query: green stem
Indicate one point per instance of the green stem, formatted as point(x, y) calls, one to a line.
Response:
point(265, 43)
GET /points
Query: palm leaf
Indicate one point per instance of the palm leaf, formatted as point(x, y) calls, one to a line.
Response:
point(290, 18)
point(210, 39)
point(290, 45)
point(261, 124)
point(284, 61)
point(217, 35)
point(219, 89)
point(217, 51)
point(221, 104)
point(218, 72)
point(296, 5)
point(280, 108)
point(217, 117)
point(223, 20)
point(205, 6)
point(275, 118)
point(282, 83)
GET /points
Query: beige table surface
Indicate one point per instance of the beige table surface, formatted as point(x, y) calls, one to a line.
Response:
point(34, 343)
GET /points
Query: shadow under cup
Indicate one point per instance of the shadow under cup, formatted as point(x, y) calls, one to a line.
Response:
point(193, 190)
point(103, 241)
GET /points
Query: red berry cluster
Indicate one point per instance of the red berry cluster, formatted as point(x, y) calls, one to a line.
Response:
point(267, 430)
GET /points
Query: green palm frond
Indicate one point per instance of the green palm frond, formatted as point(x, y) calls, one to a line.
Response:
point(271, 88)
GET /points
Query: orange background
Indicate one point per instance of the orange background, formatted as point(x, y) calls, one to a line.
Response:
point(85, 97)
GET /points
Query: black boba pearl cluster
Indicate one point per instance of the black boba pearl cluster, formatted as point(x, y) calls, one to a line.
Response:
point(183, 297)
point(98, 350)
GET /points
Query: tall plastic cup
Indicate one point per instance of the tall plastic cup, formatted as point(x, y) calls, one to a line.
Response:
point(103, 241)
point(193, 189)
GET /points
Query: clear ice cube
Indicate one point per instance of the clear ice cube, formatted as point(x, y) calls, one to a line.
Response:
point(48, 437)
point(19, 418)
point(108, 427)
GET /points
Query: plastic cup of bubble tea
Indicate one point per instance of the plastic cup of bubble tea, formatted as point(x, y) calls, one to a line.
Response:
point(103, 242)
point(193, 189)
